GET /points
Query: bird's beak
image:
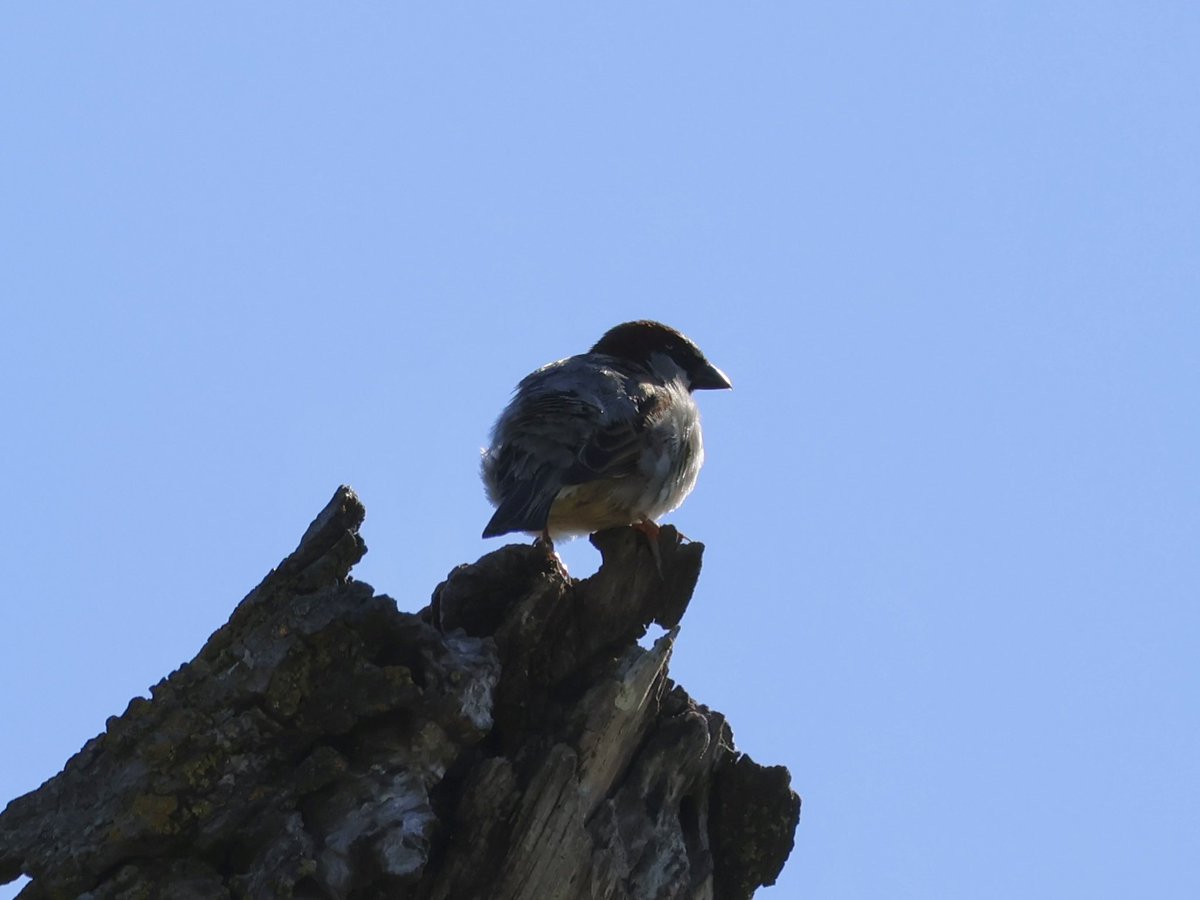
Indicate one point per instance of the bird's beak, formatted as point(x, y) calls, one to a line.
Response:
point(710, 378)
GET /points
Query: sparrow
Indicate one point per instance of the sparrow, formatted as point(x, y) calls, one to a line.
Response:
point(606, 438)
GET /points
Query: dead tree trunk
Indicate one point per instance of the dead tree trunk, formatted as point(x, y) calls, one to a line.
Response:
point(511, 740)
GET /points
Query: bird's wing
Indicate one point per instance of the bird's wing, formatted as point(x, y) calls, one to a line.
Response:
point(569, 425)
point(536, 445)
point(614, 450)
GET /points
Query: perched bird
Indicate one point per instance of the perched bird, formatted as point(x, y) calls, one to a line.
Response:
point(609, 437)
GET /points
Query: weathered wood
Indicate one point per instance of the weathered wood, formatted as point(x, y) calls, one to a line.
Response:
point(512, 740)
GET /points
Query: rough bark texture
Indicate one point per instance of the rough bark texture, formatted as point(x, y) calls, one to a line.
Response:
point(512, 740)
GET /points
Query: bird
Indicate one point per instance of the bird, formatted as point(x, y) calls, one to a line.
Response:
point(602, 439)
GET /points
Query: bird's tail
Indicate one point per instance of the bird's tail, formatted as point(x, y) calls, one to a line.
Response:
point(525, 508)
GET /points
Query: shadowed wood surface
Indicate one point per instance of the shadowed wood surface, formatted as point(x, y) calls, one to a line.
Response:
point(511, 740)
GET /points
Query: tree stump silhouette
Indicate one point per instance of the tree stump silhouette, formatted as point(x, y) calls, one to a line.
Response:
point(511, 740)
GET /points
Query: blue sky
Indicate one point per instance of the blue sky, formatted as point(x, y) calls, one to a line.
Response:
point(947, 253)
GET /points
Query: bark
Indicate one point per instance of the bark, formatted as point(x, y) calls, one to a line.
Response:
point(511, 740)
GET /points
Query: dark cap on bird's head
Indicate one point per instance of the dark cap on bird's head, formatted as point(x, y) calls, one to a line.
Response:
point(639, 341)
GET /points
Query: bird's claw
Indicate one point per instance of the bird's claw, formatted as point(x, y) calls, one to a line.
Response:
point(544, 541)
point(651, 530)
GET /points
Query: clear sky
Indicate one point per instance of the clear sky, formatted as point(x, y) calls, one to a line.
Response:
point(947, 252)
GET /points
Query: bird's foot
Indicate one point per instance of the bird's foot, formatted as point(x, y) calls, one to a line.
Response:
point(544, 541)
point(651, 530)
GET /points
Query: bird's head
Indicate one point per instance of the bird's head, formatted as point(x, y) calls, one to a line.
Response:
point(659, 346)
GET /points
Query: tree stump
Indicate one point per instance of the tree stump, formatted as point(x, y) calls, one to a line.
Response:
point(512, 740)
